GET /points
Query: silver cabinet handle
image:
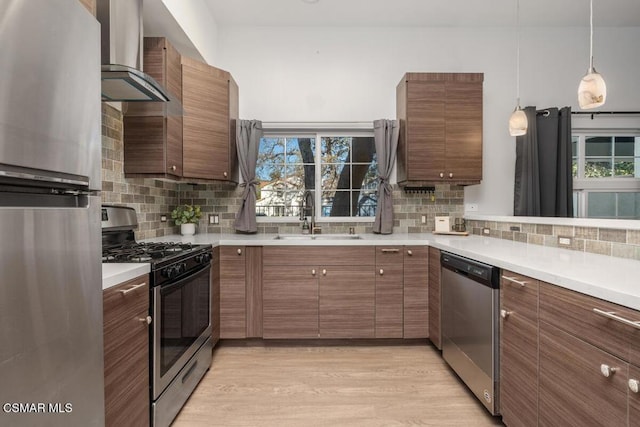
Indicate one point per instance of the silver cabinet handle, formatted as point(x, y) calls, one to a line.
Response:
point(225, 174)
point(634, 385)
point(613, 316)
point(390, 250)
point(409, 252)
point(133, 288)
point(239, 251)
point(146, 320)
point(381, 272)
point(450, 174)
point(441, 174)
point(174, 167)
point(313, 272)
point(607, 370)
point(514, 280)
point(324, 272)
point(505, 313)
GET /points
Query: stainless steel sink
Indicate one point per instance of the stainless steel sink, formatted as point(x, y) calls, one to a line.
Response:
point(318, 237)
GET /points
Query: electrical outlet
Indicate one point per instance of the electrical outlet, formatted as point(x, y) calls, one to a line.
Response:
point(214, 219)
point(486, 231)
point(564, 241)
point(514, 228)
point(424, 219)
point(163, 218)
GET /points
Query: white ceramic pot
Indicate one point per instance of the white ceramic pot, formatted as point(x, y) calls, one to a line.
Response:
point(188, 229)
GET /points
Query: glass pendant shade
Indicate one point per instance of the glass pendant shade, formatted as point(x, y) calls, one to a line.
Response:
point(592, 91)
point(518, 122)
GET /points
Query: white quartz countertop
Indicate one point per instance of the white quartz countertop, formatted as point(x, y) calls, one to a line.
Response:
point(609, 278)
point(115, 273)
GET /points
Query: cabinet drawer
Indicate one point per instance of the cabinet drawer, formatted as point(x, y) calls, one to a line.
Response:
point(573, 312)
point(416, 255)
point(389, 255)
point(519, 294)
point(318, 255)
point(128, 299)
point(634, 398)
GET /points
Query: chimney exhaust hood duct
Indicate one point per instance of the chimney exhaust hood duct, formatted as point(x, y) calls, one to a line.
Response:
point(122, 41)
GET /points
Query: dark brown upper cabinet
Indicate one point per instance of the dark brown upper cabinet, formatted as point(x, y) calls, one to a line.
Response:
point(440, 117)
point(200, 142)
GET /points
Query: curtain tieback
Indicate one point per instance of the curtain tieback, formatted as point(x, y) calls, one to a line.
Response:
point(247, 187)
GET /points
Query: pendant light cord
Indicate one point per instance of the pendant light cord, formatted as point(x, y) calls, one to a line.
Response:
point(591, 36)
point(518, 52)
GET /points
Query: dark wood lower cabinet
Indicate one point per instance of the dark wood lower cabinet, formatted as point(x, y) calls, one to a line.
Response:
point(290, 306)
point(126, 353)
point(416, 292)
point(389, 301)
point(519, 371)
point(347, 302)
point(233, 298)
point(434, 297)
point(573, 391)
point(634, 397)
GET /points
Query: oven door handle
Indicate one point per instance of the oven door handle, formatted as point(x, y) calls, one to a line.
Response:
point(164, 289)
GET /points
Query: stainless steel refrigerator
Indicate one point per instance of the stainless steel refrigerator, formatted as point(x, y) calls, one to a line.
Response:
point(51, 358)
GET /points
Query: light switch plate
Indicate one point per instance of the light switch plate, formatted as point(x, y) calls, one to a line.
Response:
point(214, 219)
point(163, 218)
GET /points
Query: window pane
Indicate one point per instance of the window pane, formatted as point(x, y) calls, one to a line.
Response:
point(601, 205)
point(625, 146)
point(367, 202)
point(629, 205)
point(624, 168)
point(598, 146)
point(597, 168)
point(574, 156)
point(301, 150)
point(336, 175)
point(335, 149)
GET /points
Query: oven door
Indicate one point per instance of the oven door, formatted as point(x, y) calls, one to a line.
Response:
point(182, 323)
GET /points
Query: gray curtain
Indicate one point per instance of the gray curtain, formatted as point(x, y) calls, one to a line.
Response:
point(386, 134)
point(248, 134)
point(543, 175)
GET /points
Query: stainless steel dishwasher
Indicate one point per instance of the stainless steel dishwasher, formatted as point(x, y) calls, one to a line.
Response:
point(470, 325)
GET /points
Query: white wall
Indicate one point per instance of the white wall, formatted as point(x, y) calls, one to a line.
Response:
point(350, 74)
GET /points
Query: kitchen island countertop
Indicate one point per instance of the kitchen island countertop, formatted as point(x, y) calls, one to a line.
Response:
point(610, 278)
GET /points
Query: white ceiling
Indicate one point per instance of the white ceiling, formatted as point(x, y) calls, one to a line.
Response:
point(436, 13)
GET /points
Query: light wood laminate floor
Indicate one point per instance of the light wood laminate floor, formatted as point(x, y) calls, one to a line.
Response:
point(318, 384)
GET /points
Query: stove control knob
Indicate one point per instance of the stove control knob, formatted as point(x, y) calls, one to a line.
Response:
point(203, 258)
point(169, 272)
point(182, 267)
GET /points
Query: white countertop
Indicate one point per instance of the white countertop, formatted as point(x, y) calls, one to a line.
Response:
point(610, 278)
point(116, 273)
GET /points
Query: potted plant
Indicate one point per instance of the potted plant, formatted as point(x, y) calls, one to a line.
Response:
point(186, 216)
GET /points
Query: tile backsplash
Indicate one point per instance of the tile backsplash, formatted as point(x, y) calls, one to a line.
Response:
point(153, 198)
point(605, 241)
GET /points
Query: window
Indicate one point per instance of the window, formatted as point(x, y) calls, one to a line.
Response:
point(343, 164)
point(606, 171)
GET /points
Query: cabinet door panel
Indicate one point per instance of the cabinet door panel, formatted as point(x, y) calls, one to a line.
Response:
point(199, 121)
point(233, 306)
point(434, 297)
point(425, 130)
point(126, 355)
point(463, 118)
point(347, 302)
point(634, 398)
point(519, 371)
point(290, 302)
point(416, 292)
point(389, 300)
point(572, 390)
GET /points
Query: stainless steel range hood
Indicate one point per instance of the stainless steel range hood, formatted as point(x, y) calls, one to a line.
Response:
point(122, 41)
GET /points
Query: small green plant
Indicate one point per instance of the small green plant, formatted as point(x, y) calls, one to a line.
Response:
point(185, 214)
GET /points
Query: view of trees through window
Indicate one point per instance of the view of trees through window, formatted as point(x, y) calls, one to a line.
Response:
point(344, 166)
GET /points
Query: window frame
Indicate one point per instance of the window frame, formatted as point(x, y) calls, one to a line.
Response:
point(317, 131)
point(583, 186)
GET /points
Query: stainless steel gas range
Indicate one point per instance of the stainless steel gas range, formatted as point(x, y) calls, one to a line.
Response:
point(180, 306)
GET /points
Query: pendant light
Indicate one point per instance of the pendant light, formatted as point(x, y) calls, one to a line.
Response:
point(592, 91)
point(518, 122)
